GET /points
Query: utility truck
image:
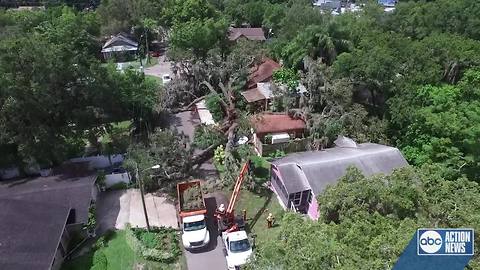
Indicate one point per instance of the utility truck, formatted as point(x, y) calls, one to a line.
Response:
point(191, 213)
point(237, 245)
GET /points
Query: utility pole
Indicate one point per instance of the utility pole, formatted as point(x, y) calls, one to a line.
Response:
point(140, 182)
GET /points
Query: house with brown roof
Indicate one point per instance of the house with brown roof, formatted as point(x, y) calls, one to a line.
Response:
point(277, 123)
point(262, 72)
point(254, 34)
point(259, 88)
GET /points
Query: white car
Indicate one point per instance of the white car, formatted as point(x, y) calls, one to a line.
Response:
point(238, 248)
point(166, 78)
point(195, 234)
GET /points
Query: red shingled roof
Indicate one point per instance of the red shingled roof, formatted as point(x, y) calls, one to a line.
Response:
point(262, 72)
point(276, 123)
point(248, 33)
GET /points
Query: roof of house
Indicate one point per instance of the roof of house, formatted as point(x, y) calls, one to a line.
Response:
point(248, 33)
point(62, 189)
point(264, 91)
point(262, 72)
point(275, 123)
point(120, 42)
point(30, 233)
point(252, 95)
point(322, 168)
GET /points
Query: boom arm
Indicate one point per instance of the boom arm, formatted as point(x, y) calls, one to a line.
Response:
point(236, 189)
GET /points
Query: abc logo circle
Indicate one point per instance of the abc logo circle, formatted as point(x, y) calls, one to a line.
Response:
point(430, 241)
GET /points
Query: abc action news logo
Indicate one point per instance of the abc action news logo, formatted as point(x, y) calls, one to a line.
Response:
point(445, 242)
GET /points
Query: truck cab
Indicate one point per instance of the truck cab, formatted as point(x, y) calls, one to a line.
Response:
point(237, 247)
point(195, 234)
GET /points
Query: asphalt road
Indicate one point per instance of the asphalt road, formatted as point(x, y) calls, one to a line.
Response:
point(211, 257)
point(158, 70)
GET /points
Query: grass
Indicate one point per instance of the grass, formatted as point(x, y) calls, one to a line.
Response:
point(119, 257)
point(153, 61)
point(158, 80)
point(258, 207)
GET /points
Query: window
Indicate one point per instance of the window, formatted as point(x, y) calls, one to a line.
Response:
point(296, 198)
point(279, 184)
point(309, 198)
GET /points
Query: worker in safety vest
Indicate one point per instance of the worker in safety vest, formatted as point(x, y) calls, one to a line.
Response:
point(270, 220)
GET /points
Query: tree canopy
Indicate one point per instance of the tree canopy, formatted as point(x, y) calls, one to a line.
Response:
point(54, 92)
point(366, 222)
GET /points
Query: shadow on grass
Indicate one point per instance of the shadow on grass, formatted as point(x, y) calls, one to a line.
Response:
point(83, 262)
point(259, 213)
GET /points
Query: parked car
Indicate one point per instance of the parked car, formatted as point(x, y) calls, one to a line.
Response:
point(166, 78)
point(238, 249)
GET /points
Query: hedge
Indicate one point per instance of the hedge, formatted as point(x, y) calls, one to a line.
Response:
point(151, 254)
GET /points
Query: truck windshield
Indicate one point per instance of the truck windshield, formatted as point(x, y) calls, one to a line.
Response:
point(194, 226)
point(239, 246)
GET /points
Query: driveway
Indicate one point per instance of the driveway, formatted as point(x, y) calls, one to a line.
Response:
point(116, 208)
point(163, 67)
point(212, 257)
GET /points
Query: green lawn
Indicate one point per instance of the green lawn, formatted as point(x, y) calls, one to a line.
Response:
point(155, 78)
point(258, 206)
point(119, 257)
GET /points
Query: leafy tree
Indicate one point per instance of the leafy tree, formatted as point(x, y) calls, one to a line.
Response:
point(366, 222)
point(206, 135)
point(166, 148)
point(54, 92)
point(120, 15)
point(181, 11)
point(445, 125)
point(198, 36)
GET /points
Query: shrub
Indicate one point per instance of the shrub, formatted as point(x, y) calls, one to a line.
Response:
point(219, 155)
point(206, 136)
point(92, 221)
point(101, 178)
point(267, 139)
point(160, 244)
point(118, 186)
point(149, 239)
point(212, 101)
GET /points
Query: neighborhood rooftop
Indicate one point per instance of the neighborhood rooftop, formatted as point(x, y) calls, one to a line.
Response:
point(248, 33)
point(62, 190)
point(275, 123)
point(30, 233)
point(262, 72)
point(120, 42)
point(318, 169)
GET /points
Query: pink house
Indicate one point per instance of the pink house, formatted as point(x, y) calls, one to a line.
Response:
point(299, 177)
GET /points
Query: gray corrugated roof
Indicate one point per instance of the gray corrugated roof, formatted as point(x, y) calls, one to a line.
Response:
point(292, 171)
point(30, 233)
point(322, 168)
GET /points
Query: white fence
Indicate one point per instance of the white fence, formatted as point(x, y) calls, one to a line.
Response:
point(9, 173)
point(115, 178)
point(99, 162)
point(95, 162)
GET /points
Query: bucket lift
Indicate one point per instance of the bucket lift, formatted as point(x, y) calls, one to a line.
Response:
point(227, 221)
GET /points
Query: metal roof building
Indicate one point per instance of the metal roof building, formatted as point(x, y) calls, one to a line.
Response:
point(309, 173)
